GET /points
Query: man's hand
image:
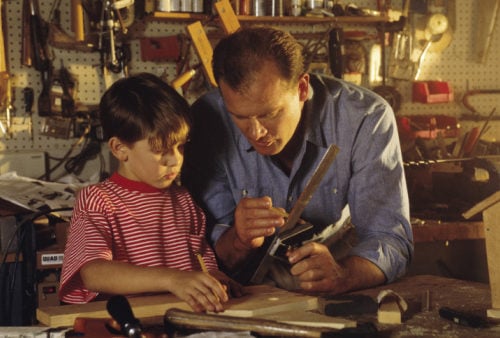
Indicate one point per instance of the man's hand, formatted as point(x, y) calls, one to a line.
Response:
point(318, 272)
point(316, 269)
point(255, 219)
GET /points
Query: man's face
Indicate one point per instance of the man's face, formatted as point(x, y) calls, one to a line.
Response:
point(269, 112)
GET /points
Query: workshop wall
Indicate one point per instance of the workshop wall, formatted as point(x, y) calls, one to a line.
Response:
point(456, 65)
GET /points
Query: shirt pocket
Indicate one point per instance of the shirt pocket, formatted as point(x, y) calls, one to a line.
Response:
point(242, 192)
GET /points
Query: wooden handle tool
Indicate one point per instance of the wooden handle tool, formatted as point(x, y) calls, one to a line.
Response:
point(191, 320)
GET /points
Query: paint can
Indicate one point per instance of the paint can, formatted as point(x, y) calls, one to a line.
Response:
point(294, 8)
point(258, 8)
point(197, 6)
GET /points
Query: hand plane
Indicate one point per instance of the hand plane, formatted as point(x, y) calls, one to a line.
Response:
point(293, 233)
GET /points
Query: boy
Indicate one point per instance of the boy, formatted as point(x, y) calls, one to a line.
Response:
point(138, 231)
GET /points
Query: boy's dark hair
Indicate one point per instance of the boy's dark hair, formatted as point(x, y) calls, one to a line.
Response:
point(144, 106)
point(239, 56)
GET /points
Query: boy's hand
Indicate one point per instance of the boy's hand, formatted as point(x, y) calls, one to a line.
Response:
point(200, 290)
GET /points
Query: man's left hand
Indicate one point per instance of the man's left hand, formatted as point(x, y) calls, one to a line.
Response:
point(316, 269)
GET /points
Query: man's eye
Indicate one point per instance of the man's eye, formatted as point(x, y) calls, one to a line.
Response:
point(269, 116)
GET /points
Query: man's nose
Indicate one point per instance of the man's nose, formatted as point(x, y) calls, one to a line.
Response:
point(256, 129)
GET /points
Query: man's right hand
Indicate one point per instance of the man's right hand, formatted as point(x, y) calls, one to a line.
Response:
point(255, 219)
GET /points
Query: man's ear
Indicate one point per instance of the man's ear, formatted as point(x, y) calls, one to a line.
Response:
point(118, 148)
point(304, 87)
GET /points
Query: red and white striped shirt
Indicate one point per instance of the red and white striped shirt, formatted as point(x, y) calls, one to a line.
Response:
point(132, 222)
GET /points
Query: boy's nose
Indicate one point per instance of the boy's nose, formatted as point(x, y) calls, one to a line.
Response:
point(173, 158)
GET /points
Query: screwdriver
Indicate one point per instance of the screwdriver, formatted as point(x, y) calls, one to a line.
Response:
point(28, 96)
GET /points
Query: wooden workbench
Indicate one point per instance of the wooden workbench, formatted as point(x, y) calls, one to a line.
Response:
point(435, 230)
point(472, 297)
point(457, 294)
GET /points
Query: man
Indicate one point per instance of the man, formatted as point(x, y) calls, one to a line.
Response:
point(258, 138)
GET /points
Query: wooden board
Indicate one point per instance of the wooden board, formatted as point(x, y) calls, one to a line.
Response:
point(203, 49)
point(490, 207)
point(227, 16)
point(259, 301)
point(313, 319)
point(491, 219)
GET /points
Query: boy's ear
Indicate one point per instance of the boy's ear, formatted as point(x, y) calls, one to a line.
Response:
point(118, 148)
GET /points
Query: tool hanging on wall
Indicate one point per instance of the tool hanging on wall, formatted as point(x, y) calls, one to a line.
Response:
point(389, 93)
point(202, 45)
point(400, 66)
point(5, 88)
point(336, 51)
point(474, 113)
point(436, 26)
point(28, 98)
point(35, 52)
point(115, 52)
point(59, 38)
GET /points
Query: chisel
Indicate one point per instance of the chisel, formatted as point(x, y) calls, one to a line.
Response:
point(28, 96)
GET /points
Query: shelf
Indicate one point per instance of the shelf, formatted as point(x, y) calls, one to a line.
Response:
point(178, 16)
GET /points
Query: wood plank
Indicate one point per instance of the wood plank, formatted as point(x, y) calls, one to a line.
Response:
point(347, 20)
point(431, 231)
point(308, 318)
point(259, 300)
point(484, 204)
point(389, 313)
point(203, 49)
point(487, 12)
point(264, 299)
point(227, 16)
point(491, 218)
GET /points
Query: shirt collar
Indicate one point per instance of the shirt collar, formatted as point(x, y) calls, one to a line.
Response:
point(132, 185)
point(312, 111)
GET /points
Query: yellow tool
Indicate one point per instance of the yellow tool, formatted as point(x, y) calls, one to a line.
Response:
point(203, 49)
point(228, 18)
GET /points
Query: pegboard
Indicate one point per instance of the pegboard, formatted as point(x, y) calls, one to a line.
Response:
point(455, 64)
point(84, 66)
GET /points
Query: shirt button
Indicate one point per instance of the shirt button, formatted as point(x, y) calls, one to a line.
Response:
point(334, 190)
point(290, 198)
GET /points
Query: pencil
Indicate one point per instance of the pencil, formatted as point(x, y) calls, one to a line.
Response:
point(280, 212)
point(202, 263)
point(286, 214)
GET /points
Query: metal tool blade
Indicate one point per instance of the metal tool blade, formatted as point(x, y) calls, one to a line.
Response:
point(296, 211)
point(310, 188)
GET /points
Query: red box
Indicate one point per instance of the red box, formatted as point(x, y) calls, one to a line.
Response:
point(432, 92)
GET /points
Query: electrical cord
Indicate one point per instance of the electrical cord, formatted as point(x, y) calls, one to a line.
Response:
point(89, 151)
point(82, 138)
point(19, 233)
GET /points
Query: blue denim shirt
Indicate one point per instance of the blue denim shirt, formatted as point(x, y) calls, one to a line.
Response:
point(367, 174)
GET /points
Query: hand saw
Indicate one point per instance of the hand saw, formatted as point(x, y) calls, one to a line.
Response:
point(290, 230)
point(5, 88)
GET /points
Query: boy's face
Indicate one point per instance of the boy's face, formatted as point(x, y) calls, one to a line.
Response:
point(138, 162)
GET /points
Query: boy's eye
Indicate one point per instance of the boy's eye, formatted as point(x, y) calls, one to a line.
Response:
point(179, 147)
